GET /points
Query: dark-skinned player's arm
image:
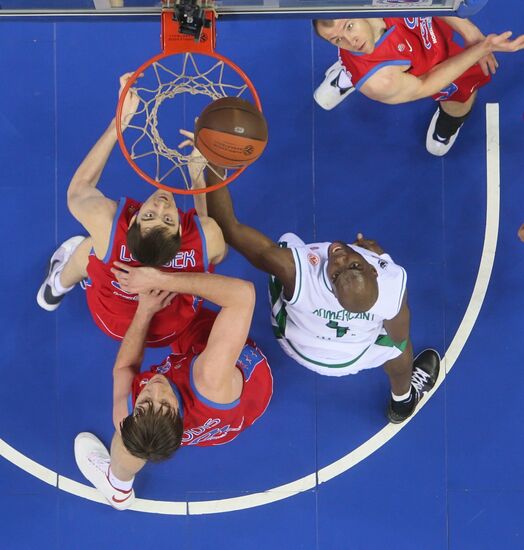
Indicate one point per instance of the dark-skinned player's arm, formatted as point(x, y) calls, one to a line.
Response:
point(398, 327)
point(131, 352)
point(258, 249)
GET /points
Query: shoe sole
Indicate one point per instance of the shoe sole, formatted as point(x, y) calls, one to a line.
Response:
point(75, 241)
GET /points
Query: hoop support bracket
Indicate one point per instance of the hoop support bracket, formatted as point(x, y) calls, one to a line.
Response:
point(175, 41)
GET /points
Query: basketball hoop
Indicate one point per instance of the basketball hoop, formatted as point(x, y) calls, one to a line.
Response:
point(189, 71)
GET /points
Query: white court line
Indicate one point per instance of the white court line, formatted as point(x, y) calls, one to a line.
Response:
point(371, 445)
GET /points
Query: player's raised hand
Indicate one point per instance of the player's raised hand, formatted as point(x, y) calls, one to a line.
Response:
point(368, 244)
point(131, 101)
point(136, 280)
point(154, 300)
point(488, 63)
point(197, 162)
point(502, 42)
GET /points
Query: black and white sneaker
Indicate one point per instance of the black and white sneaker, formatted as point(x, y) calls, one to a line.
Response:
point(434, 143)
point(48, 297)
point(335, 87)
point(426, 368)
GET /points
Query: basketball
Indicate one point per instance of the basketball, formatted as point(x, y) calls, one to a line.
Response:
point(231, 132)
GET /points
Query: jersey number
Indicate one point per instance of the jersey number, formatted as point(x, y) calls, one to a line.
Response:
point(341, 331)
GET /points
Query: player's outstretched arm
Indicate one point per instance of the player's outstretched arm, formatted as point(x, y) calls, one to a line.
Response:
point(215, 245)
point(131, 352)
point(391, 85)
point(259, 250)
point(236, 299)
point(472, 35)
point(196, 166)
point(86, 203)
point(215, 367)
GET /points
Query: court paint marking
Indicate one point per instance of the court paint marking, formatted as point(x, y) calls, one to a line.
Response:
point(309, 482)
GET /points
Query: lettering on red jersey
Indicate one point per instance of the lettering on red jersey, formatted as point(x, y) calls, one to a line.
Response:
point(209, 431)
point(425, 25)
point(182, 260)
point(167, 364)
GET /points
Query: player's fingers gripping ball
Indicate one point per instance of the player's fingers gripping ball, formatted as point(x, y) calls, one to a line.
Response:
point(231, 132)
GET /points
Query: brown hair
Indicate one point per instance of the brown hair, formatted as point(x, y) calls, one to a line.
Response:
point(155, 248)
point(152, 434)
point(322, 22)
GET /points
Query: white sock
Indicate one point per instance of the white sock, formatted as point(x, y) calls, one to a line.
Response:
point(403, 397)
point(118, 483)
point(56, 284)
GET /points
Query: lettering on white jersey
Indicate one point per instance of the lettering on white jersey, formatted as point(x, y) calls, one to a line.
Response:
point(342, 315)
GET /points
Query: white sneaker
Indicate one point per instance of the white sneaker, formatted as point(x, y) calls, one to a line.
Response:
point(335, 88)
point(436, 145)
point(48, 297)
point(93, 461)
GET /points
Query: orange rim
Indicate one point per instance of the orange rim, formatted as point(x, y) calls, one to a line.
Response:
point(123, 145)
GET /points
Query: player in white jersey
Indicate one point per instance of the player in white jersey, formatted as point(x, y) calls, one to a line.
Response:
point(314, 328)
point(337, 308)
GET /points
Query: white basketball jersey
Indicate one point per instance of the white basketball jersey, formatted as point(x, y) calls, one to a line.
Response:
point(314, 323)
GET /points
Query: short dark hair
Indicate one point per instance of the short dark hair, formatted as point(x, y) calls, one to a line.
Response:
point(324, 22)
point(152, 434)
point(155, 248)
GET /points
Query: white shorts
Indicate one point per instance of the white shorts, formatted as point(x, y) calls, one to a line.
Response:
point(375, 356)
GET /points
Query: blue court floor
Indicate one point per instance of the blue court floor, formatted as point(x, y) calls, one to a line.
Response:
point(321, 470)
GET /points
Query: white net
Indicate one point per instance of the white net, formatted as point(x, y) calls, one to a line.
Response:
point(172, 93)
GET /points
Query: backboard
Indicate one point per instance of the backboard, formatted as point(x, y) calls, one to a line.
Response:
point(227, 7)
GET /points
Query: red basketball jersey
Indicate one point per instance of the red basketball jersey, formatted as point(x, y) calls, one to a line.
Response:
point(113, 309)
point(205, 422)
point(419, 43)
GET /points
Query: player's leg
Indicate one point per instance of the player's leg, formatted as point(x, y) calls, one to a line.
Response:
point(75, 270)
point(410, 380)
point(67, 266)
point(446, 123)
point(112, 475)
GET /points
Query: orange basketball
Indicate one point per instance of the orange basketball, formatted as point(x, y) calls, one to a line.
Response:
point(231, 132)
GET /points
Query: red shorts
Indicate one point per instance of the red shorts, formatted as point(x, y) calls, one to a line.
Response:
point(194, 337)
point(166, 326)
point(463, 87)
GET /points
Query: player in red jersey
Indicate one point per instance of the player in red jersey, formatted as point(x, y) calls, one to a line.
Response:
point(212, 387)
point(152, 233)
point(396, 60)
